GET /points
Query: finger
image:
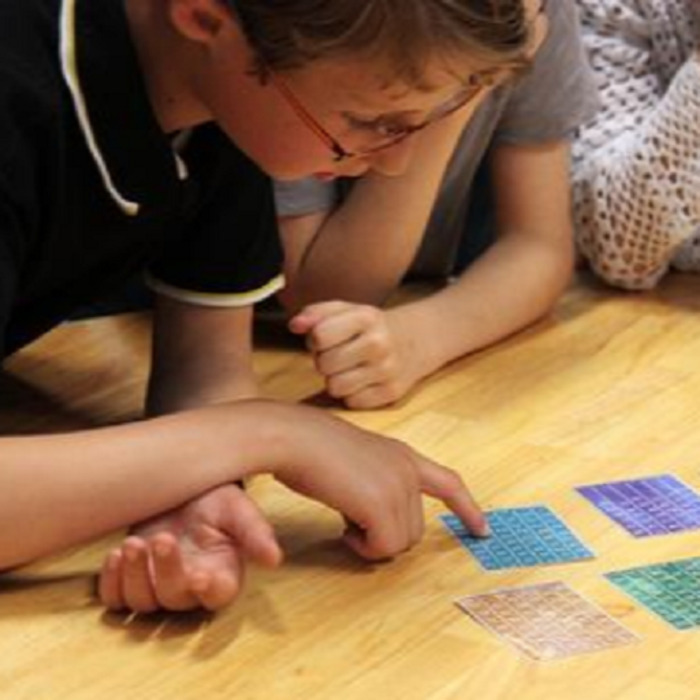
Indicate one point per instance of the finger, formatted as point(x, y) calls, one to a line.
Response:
point(180, 589)
point(340, 358)
point(342, 327)
point(313, 314)
point(373, 396)
point(109, 585)
point(383, 535)
point(301, 324)
point(357, 540)
point(368, 545)
point(416, 523)
point(447, 486)
point(137, 584)
point(251, 530)
point(350, 382)
point(215, 591)
point(171, 583)
point(411, 514)
point(365, 344)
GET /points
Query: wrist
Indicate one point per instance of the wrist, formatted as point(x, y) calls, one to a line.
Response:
point(263, 435)
point(421, 337)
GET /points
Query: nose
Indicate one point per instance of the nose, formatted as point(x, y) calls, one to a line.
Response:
point(394, 160)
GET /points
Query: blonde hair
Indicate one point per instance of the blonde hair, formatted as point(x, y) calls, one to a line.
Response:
point(287, 34)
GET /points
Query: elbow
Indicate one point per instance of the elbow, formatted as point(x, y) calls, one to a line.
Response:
point(637, 280)
point(620, 265)
point(562, 265)
point(620, 270)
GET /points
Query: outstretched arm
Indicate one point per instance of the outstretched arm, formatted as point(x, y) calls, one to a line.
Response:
point(59, 490)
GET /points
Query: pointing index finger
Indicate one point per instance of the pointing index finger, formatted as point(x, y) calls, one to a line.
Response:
point(447, 486)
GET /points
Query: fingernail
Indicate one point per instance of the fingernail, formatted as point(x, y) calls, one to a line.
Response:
point(199, 585)
point(161, 550)
point(132, 555)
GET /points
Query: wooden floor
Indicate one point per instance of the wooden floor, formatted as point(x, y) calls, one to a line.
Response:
point(608, 387)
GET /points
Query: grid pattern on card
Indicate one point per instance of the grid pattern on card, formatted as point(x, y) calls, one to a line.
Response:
point(548, 621)
point(645, 507)
point(671, 590)
point(521, 537)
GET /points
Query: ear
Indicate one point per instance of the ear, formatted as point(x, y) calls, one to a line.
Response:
point(202, 21)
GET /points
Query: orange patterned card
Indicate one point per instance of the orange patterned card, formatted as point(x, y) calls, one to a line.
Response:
point(547, 621)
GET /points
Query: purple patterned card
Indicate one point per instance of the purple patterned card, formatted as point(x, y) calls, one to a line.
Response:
point(657, 505)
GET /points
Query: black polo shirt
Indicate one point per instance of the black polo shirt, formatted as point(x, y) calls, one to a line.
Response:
point(92, 191)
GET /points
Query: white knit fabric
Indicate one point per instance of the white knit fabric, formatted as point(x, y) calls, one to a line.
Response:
point(637, 164)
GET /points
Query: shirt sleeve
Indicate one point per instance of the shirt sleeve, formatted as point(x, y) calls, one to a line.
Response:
point(228, 252)
point(8, 281)
point(558, 92)
point(305, 196)
point(636, 164)
point(19, 211)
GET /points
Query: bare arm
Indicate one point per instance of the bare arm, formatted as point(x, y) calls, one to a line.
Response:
point(375, 232)
point(371, 357)
point(201, 356)
point(518, 279)
point(58, 490)
point(194, 555)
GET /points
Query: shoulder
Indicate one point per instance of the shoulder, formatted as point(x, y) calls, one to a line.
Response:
point(29, 37)
point(30, 72)
point(31, 95)
point(558, 93)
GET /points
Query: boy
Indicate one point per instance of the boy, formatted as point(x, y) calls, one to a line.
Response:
point(518, 132)
point(119, 119)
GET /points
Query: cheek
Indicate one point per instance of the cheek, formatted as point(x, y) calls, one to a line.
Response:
point(287, 159)
point(284, 151)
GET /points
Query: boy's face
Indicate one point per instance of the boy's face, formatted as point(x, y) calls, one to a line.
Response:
point(295, 124)
point(298, 123)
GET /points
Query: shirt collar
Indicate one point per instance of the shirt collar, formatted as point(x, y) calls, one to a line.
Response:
point(101, 69)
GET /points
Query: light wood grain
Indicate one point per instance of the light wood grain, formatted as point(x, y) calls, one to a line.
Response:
point(607, 387)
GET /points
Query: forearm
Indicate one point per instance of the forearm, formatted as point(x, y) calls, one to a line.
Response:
point(201, 356)
point(210, 384)
point(636, 195)
point(376, 232)
point(509, 287)
point(59, 490)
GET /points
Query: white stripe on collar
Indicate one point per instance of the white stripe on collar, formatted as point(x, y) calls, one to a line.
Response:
point(70, 73)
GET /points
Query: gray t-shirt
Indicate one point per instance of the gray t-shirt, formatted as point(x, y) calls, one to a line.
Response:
point(546, 104)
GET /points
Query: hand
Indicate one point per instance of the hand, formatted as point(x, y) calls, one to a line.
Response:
point(368, 357)
point(373, 481)
point(191, 557)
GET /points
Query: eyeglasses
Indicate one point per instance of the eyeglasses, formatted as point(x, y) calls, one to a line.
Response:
point(388, 135)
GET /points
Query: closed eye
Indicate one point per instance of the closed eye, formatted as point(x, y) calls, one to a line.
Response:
point(379, 127)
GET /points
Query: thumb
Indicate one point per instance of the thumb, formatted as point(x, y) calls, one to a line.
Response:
point(251, 530)
point(302, 323)
point(310, 316)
